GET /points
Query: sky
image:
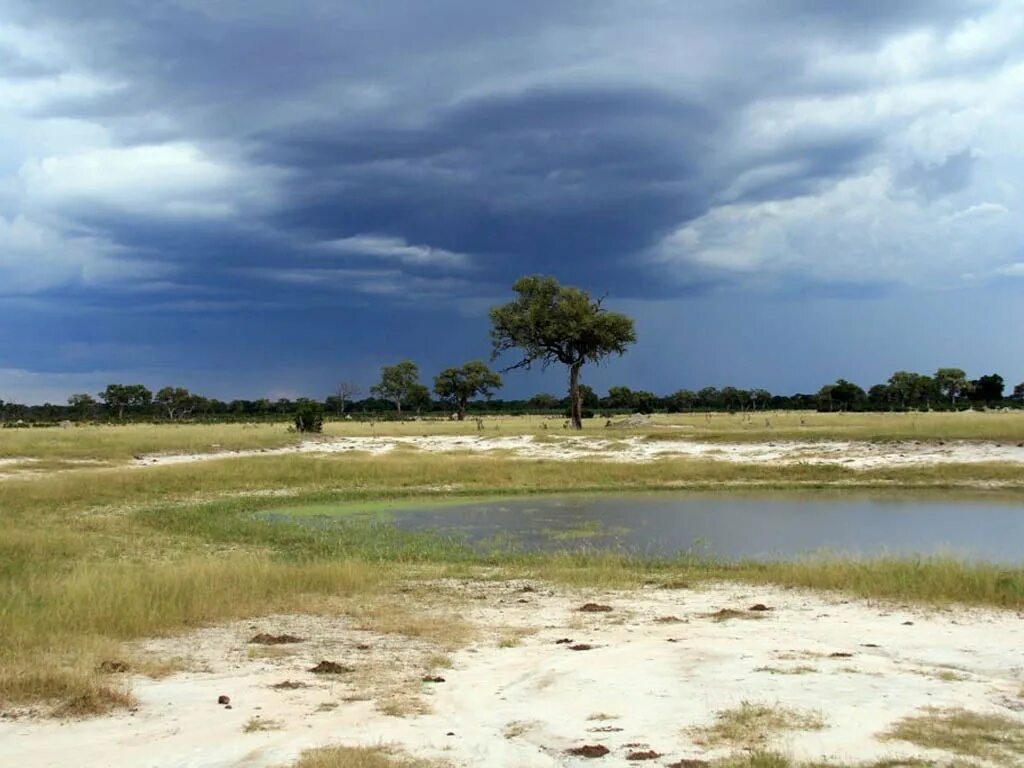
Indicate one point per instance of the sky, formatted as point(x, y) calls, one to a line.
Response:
point(255, 198)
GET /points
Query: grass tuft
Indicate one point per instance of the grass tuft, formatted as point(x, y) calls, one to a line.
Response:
point(357, 757)
point(972, 734)
point(752, 725)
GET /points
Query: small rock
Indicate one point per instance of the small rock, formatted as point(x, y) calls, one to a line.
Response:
point(908, 623)
point(580, 647)
point(222, 699)
point(433, 679)
point(563, 641)
point(840, 655)
point(595, 608)
point(759, 607)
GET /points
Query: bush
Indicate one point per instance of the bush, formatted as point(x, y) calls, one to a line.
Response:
point(309, 418)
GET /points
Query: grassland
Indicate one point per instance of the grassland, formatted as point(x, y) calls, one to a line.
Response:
point(94, 557)
point(121, 443)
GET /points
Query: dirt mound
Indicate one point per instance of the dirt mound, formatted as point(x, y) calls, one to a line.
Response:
point(331, 668)
point(589, 750)
point(595, 608)
point(648, 754)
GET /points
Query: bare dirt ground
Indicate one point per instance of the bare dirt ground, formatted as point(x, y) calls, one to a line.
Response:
point(645, 676)
point(852, 454)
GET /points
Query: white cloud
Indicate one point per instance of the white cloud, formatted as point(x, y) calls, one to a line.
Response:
point(35, 257)
point(934, 199)
point(860, 228)
point(395, 249)
point(165, 180)
point(391, 283)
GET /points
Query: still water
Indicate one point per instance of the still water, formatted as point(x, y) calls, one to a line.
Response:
point(736, 527)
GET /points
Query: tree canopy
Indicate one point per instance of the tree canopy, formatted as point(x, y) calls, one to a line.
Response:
point(459, 385)
point(400, 383)
point(552, 323)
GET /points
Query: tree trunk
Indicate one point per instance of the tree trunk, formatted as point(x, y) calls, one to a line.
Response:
point(398, 406)
point(574, 396)
point(462, 410)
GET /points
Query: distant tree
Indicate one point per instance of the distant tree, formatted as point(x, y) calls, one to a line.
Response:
point(344, 393)
point(759, 397)
point(1018, 393)
point(419, 398)
point(912, 390)
point(460, 385)
point(398, 383)
point(847, 396)
point(620, 398)
point(682, 400)
point(952, 383)
point(880, 396)
point(987, 389)
point(309, 416)
point(84, 405)
point(543, 402)
point(176, 402)
point(645, 402)
point(122, 397)
point(553, 323)
point(732, 398)
point(588, 397)
point(709, 398)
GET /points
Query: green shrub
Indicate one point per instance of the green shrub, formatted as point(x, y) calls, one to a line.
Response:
point(309, 417)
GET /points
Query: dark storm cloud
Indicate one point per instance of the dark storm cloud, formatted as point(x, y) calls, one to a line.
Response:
point(319, 156)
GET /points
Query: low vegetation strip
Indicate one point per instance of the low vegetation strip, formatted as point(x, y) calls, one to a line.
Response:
point(124, 442)
point(93, 557)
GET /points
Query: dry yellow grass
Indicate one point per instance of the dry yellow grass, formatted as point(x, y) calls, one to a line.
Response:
point(91, 558)
point(358, 757)
point(121, 442)
point(971, 734)
point(751, 726)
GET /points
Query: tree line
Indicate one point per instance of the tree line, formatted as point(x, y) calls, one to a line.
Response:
point(546, 324)
point(469, 390)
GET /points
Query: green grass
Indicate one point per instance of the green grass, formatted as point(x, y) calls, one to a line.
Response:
point(92, 558)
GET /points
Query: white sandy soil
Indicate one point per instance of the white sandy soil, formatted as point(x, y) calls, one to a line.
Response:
point(852, 454)
point(645, 682)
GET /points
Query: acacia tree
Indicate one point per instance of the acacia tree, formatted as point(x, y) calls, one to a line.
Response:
point(951, 382)
point(460, 385)
point(399, 383)
point(82, 403)
point(176, 402)
point(552, 323)
point(121, 397)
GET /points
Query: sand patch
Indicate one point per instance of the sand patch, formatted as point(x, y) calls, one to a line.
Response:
point(661, 685)
point(851, 454)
